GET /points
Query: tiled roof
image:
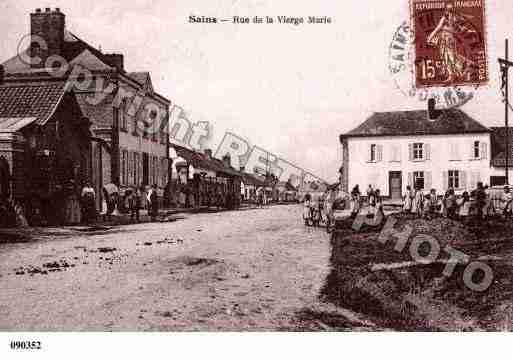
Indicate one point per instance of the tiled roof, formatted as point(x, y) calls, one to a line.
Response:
point(15, 124)
point(28, 100)
point(200, 160)
point(406, 123)
point(77, 51)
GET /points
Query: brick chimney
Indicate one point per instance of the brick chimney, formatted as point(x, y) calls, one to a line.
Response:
point(433, 113)
point(49, 25)
point(116, 60)
point(208, 153)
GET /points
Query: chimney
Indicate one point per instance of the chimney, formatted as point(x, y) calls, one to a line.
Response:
point(433, 113)
point(208, 153)
point(2, 74)
point(116, 60)
point(227, 160)
point(49, 25)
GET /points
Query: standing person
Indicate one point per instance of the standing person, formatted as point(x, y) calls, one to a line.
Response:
point(432, 203)
point(328, 208)
point(370, 193)
point(488, 206)
point(418, 201)
point(379, 213)
point(480, 196)
point(153, 203)
point(408, 199)
point(134, 203)
point(88, 201)
point(355, 201)
point(306, 208)
point(506, 200)
point(260, 199)
point(464, 207)
point(451, 204)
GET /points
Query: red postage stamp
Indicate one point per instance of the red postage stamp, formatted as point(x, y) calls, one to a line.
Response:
point(450, 42)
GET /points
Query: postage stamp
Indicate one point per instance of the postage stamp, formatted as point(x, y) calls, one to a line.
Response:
point(450, 42)
point(402, 68)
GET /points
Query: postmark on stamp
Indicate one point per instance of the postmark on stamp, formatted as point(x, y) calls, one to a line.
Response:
point(450, 42)
point(402, 68)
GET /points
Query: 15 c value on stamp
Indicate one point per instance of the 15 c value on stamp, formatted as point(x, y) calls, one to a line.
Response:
point(450, 42)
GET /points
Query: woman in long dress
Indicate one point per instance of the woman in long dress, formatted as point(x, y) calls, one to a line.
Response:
point(307, 208)
point(407, 200)
point(418, 202)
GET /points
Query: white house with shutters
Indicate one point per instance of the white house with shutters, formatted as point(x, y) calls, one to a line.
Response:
point(391, 150)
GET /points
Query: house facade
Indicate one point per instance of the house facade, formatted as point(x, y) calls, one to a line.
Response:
point(207, 179)
point(45, 151)
point(116, 101)
point(392, 150)
point(498, 164)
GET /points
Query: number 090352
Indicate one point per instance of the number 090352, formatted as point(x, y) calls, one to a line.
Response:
point(25, 345)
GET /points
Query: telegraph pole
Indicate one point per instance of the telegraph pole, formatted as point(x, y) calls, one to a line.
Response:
point(505, 64)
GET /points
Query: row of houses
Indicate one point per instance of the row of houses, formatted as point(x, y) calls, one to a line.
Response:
point(207, 176)
point(72, 115)
point(56, 138)
point(392, 150)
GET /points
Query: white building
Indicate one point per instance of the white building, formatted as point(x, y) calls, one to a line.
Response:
point(391, 150)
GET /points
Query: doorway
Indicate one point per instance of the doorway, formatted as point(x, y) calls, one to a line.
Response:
point(396, 185)
point(4, 178)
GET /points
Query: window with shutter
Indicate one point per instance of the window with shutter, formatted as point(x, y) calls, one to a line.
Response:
point(139, 169)
point(484, 151)
point(476, 150)
point(428, 180)
point(125, 174)
point(418, 152)
point(410, 151)
point(463, 179)
point(454, 151)
point(419, 180)
point(380, 153)
point(127, 168)
point(156, 173)
point(410, 180)
point(395, 153)
point(427, 149)
point(445, 180)
point(373, 153)
point(454, 179)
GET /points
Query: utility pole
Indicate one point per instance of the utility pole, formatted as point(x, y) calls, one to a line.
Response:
point(505, 64)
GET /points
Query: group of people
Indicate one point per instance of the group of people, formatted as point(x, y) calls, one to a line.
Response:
point(132, 201)
point(374, 200)
point(479, 203)
point(320, 208)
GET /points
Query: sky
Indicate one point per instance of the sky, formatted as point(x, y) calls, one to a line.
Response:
point(289, 89)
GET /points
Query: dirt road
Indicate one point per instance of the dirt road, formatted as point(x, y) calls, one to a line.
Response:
point(243, 270)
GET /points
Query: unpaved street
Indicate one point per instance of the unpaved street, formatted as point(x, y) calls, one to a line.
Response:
point(243, 270)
